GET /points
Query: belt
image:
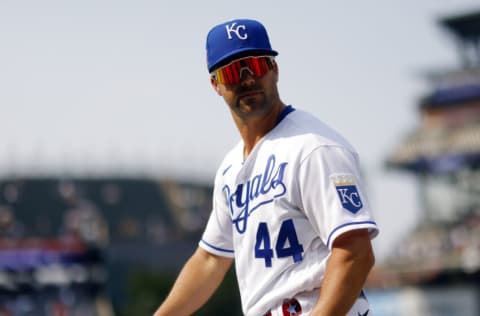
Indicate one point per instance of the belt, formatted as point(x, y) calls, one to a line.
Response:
point(290, 307)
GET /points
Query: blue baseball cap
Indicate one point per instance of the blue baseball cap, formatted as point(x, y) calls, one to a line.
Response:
point(235, 39)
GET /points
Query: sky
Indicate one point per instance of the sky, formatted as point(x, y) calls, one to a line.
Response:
point(99, 87)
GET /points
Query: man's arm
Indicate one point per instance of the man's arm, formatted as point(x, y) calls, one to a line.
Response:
point(198, 280)
point(347, 270)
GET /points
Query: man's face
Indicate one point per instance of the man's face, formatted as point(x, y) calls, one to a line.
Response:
point(251, 96)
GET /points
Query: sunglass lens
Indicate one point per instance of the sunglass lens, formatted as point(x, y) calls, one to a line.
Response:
point(230, 74)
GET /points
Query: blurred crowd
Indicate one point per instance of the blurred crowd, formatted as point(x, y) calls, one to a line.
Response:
point(57, 236)
point(433, 251)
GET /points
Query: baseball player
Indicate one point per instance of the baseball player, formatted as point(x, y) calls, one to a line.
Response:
point(289, 206)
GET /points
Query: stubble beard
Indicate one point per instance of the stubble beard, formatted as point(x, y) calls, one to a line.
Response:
point(253, 106)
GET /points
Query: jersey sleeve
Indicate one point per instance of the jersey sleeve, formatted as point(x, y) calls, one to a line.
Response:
point(217, 237)
point(332, 194)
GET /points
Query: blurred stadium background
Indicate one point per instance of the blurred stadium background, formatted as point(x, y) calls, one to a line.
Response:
point(436, 270)
point(96, 246)
point(112, 244)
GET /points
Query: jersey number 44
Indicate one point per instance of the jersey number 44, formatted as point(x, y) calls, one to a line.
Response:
point(286, 244)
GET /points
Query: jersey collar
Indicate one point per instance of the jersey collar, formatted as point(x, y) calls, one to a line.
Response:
point(287, 110)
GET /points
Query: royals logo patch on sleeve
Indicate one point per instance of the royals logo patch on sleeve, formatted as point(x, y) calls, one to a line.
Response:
point(347, 193)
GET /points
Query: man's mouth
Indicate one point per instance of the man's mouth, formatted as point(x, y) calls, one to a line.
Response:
point(249, 93)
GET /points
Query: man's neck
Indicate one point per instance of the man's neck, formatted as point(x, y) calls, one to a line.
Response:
point(253, 129)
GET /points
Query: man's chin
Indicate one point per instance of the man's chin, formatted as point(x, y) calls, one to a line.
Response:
point(252, 102)
point(252, 109)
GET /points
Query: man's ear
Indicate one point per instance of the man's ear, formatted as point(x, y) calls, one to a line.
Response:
point(275, 69)
point(274, 65)
point(214, 84)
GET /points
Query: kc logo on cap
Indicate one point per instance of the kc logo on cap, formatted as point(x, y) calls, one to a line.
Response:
point(234, 39)
point(236, 29)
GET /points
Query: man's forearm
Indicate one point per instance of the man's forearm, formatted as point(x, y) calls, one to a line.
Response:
point(347, 269)
point(198, 280)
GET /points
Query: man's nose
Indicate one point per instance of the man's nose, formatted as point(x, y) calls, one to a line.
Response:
point(246, 76)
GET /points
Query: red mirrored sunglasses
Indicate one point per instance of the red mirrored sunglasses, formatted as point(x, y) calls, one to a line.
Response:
point(232, 73)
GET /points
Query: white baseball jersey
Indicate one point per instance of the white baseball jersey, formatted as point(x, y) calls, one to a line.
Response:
point(278, 211)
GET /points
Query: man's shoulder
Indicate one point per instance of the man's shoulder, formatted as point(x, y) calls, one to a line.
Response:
point(305, 128)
